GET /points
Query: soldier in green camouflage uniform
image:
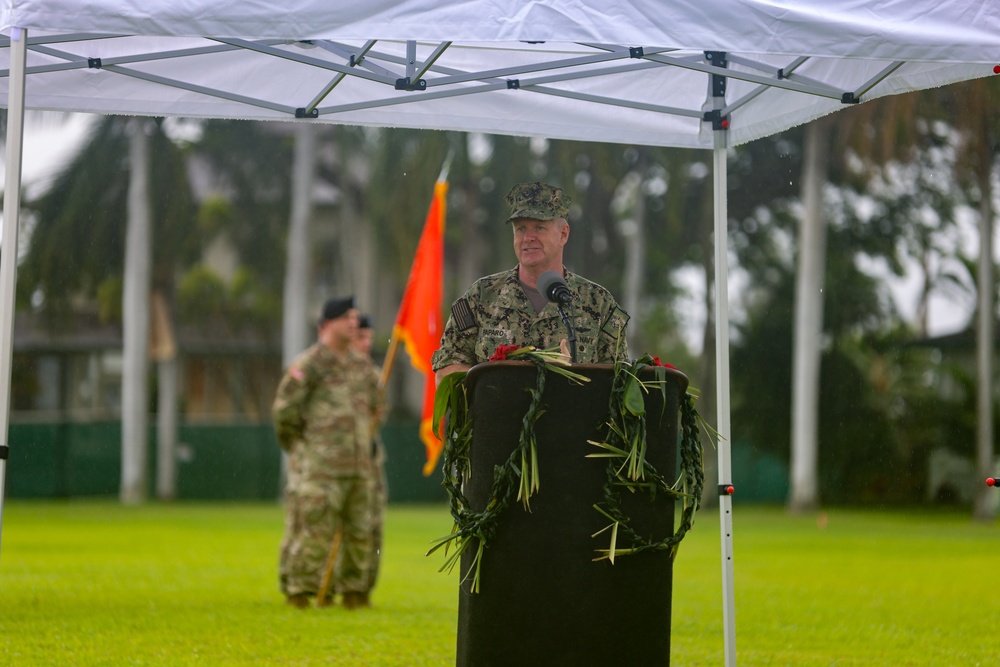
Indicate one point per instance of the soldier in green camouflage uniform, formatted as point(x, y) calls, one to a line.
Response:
point(380, 483)
point(323, 414)
point(507, 309)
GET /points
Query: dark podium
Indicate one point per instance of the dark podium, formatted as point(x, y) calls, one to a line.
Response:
point(543, 599)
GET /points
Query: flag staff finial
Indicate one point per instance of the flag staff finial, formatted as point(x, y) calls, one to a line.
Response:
point(446, 167)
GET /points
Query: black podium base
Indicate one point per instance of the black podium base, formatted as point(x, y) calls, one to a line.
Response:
point(543, 600)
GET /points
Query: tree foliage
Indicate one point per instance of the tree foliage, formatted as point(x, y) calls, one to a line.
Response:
point(902, 172)
point(77, 230)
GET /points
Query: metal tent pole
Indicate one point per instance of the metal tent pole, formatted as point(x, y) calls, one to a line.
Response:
point(8, 250)
point(717, 113)
point(722, 388)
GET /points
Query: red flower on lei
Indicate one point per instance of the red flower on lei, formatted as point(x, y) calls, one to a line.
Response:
point(657, 362)
point(502, 351)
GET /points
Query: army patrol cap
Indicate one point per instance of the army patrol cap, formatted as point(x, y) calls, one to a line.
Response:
point(538, 201)
point(334, 308)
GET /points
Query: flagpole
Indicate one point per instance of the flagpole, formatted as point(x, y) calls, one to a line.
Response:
point(390, 354)
point(446, 167)
point(390, 360)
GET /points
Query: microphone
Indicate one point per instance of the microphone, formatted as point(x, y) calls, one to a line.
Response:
point(554, 287)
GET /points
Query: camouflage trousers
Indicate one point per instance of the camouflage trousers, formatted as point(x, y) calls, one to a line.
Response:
point(311, 519)
point(379, 499)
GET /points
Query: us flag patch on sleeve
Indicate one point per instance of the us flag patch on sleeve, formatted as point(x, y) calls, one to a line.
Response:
point(461, 313)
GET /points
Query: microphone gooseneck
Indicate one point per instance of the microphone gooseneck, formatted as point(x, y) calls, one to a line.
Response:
point(553, 286)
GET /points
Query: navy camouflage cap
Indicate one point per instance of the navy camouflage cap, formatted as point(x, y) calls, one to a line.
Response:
point(334, 308)
point(538, 201)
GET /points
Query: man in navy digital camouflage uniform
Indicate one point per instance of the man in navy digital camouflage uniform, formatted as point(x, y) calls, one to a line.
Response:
point(507, 309)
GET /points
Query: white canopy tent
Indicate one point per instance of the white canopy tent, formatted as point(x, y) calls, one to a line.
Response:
point(631, 71)
point(704, 75)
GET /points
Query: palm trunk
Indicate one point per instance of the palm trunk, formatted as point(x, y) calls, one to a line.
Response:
point(295, 320)
point(923, 306)
point(163, 349)
point(985, 505)
point(135, 324)
point(808, 325)
point(166, 429)
point(634, 237)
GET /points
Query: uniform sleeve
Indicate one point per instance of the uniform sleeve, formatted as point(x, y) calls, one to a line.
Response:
point(458, 342)
point(380, 404)
point(613, 341)
point(287, 411)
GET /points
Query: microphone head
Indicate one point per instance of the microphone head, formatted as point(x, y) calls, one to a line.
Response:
point(553, 286)
point(547, 284)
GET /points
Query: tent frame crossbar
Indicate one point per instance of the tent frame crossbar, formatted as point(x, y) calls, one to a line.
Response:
point(453, 76)
point(599, 99)
point(269, 50)
point(354, 57)
point(63, 38)
point(309, 110)
point(785, 72)
point(875, 80)
point(772, 81)
point(79, 62)
point(429, 61)
point(364, 62)
point(788, 72)
point(414, 71)
point(195, 88)
point(536, 85)
point(136, 58)
point(75, 61)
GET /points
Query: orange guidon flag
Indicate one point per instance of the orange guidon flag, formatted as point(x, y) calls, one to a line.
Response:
point(419, 323)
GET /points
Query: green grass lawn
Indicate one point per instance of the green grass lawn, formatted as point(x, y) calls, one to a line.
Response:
point(94, 583)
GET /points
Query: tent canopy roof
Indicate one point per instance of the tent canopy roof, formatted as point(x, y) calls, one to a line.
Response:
point(919, 30)
point(629, 71)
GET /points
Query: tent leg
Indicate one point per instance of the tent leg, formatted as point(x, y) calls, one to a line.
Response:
point(11, 215)
point(722, 387)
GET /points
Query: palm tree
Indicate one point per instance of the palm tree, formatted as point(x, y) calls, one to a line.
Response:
point(809, 323)
point(95, 225)
point(968, 108)
point(828, 141)
point(972, 111)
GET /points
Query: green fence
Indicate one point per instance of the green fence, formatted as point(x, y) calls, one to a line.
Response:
point(215, 462)
point(757, 476)
point(242, 462)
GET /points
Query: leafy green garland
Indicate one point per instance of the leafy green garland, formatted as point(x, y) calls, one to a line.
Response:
point(625, 447)
point(480, 527)
point(626, 440)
